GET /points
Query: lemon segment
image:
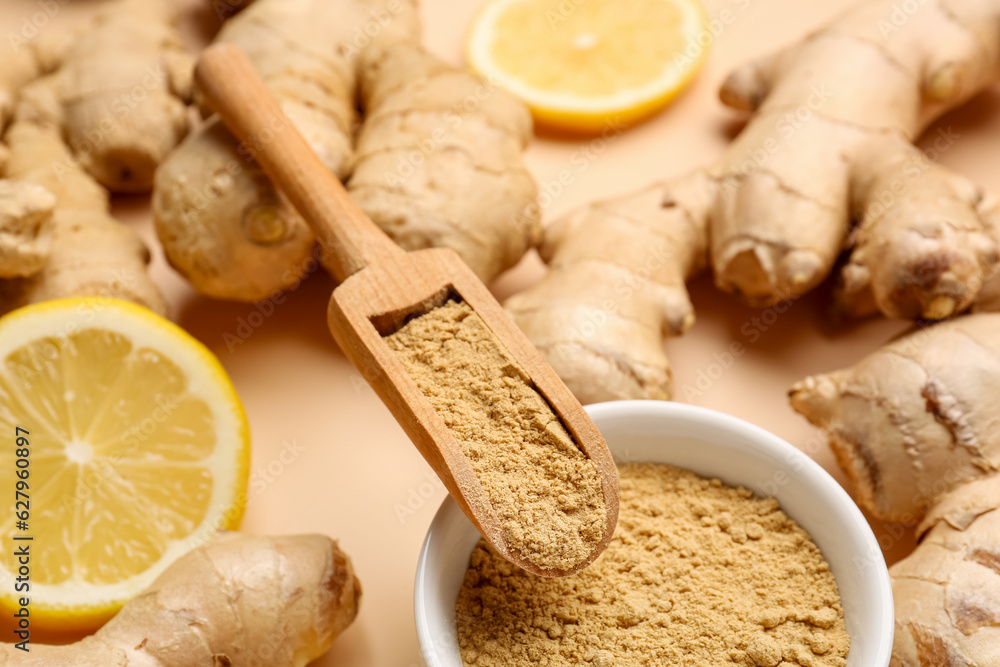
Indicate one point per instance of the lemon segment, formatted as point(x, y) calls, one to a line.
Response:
point(586, 65)
point(139, 452)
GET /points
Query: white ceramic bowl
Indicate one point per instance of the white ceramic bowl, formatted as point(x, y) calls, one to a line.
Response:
point(711, 444)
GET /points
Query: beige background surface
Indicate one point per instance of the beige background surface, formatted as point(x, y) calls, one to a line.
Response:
point(329, 458)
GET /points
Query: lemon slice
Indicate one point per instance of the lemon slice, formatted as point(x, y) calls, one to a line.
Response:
point(590, 65)
point(137, 451)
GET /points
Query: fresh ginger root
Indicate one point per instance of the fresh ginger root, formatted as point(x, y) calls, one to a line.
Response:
point(25, 215)
point(911, 422)
point(913, 425)
point(20, 67)
point(122, 86)
point(615, 288)
point(947, 593)
point(241, 601)
point(830, 141)
point(988, 299)
point(834, 118)
point(439, 161)
point(222, 223)
point(91, 254)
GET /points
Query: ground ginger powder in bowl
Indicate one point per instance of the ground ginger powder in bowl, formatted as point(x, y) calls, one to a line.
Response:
point(547, 493)
point(698, 574)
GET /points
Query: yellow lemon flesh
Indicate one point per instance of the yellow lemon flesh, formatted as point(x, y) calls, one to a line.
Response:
point(123, 445)
point(589, 65)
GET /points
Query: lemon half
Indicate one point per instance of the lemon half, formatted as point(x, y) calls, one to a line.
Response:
point(589, 65)
point(137, 451)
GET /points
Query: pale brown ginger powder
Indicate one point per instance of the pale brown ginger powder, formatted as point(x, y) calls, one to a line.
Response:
point(546, 492)
point(698, 574)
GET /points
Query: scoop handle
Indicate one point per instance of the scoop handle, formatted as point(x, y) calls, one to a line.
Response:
point(234, 89)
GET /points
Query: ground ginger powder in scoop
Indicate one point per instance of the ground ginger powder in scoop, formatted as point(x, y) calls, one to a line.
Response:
point(545, 490)
point(698, 574)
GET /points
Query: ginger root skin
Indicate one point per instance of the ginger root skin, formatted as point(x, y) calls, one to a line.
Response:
point(20, 67)
point(834, 117)
point(913, 425)
point(988, 299)
point(928, 253)
point(122, 88)
point(25, 225)
point(223, 225)
point(615, 289)
point(469, 189)
point(909, 422)
point(240, 600)
point(91, 253)
point(947, 592)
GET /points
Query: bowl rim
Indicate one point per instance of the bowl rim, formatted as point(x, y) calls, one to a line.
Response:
point(707, 416)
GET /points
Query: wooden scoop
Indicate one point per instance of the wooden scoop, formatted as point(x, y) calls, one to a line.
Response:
point(381, 286)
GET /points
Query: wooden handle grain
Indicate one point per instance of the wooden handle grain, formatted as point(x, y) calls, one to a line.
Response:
point(234, 89)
